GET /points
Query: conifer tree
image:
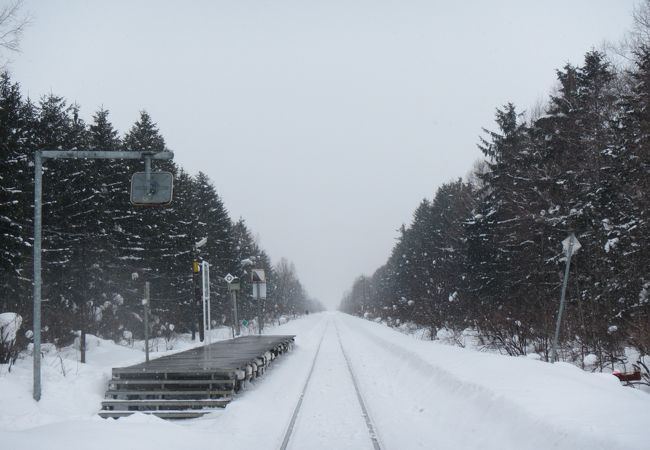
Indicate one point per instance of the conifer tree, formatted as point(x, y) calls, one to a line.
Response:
point(143, 244)
point(632, 229)
point(15, 218)
point(110, 184)
point(59, 128)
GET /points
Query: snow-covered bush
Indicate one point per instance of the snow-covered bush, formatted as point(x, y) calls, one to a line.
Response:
point(9, 325)
point(92, 341)
point(590, 361)
point(163, 333)
point(127, 338)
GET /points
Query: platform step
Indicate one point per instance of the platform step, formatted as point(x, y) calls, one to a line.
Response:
point(179, 371)
point(114, 394)
point(166, 414)
point(150, 382)
point(148, 404)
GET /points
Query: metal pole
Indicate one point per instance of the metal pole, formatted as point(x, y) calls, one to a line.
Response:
point(205, 313)
point(205, 277)
point(259, 308)
point(207, 287)
point(109, 154)
point(146, 320)
point(84, 314)
point(198, 320)
point(39, 155)
point(209, 332)
point(147, 172)
point(235, 315)
point(38, 192)
point(562, 302)
point(195, 271)
point(209, 320)
point(232, 301)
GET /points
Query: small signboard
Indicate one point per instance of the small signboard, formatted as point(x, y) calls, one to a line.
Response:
point(258, 291)
point(230, 279)
point(158, 191)
point(258, 276)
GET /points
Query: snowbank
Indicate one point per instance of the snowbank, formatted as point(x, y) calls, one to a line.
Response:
point(421, 394)
point(469, 399)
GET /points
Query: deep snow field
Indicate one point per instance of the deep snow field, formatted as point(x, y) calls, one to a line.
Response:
point(420, 395)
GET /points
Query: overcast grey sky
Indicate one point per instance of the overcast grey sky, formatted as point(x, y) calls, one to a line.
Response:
point(322, 123)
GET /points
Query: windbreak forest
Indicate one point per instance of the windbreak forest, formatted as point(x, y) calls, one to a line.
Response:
point(98, 249)
point(484, 256)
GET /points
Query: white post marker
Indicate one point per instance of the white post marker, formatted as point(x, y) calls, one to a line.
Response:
point(205, 276)
point(233, 288)
point(258, 279)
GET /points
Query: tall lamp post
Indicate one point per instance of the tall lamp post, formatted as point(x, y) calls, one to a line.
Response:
point(148, 188)
point(195, 303)
point(571, 245)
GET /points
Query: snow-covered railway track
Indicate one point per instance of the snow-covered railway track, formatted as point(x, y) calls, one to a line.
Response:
point(330, 417)
point(371, 427)
point(294, 416)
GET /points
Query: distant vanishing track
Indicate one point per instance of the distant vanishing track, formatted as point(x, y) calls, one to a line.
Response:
point(371, 429)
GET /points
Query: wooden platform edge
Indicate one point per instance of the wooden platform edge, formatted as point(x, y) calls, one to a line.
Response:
point(131, 391)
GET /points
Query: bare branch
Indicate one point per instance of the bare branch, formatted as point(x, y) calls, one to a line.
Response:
point(12, 25)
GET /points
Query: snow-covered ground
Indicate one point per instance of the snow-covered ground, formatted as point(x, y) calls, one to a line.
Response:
point(420, 395)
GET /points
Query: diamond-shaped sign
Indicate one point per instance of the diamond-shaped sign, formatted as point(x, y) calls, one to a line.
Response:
point(229, 278)
point(572, 239)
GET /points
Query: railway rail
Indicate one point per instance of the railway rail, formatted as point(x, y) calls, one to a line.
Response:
point(292, 427)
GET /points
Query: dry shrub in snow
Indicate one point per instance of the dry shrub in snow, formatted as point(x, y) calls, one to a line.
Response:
point(9, 325)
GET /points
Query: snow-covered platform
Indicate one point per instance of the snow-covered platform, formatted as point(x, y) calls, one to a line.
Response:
point(194, 382)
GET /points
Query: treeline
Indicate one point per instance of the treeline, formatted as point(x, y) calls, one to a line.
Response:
point(98, 250)
point(486, 253)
